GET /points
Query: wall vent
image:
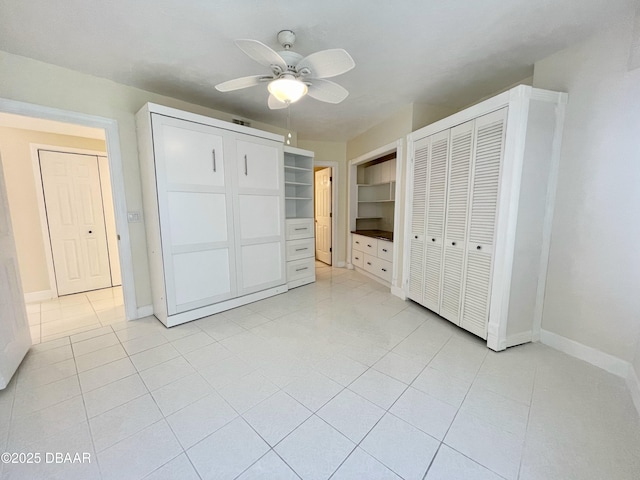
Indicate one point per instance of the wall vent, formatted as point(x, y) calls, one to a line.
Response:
point(240, 121)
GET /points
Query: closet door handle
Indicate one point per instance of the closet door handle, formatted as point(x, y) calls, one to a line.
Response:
point(453, 243)
point(415, 236)
point(433, 239)
point(245, 166)
point(478, 247)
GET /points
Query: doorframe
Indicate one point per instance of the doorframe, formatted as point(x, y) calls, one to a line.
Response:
point(114, 156)
point(334, 203)
point(398, 231)
point(42, 210)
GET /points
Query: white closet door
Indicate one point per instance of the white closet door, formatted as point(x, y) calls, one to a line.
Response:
point(196, 214)
point(436, 190)
point(485, 185)
point(456, 220)
point(418, 212)
point(259, 215)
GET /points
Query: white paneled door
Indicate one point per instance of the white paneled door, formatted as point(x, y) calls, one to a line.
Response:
point(75, 216)
point(196, 213)
point(15, 338)
point(323, 215)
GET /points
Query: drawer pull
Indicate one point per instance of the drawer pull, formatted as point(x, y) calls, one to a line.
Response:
point(368, 263)
point(299, 229)
point(357, 258)
point(246, 171)
point(384, 269)
point(301, 269)
point(357, 242)
point(369, 245)
point(213, 152)
point(301, 249)
point(385, 250)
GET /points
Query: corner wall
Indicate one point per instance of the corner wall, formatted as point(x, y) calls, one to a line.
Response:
point(593, 278)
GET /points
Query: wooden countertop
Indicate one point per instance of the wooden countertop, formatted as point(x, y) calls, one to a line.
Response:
point(379, 234)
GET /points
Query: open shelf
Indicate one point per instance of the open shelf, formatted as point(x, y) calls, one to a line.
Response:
point(298, 183)
point(302, 169)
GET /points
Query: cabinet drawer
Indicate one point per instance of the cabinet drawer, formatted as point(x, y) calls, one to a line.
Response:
point(298, 269)
point(365, 244)
point(297, 249)
point(385, 250)
point(357, 258)
point(299, 228)
point(378, 267)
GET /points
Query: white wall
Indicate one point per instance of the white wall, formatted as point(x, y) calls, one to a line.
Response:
point(593, 284)
point(31, 81)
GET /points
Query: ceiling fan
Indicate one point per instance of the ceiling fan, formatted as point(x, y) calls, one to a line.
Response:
point(292, 75)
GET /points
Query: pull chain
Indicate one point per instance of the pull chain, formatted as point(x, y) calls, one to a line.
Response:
point(289, 124)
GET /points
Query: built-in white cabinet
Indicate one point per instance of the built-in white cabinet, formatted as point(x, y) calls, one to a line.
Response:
point(480, 189)
point(373, 255)
point(300, 227)
point(214, 213)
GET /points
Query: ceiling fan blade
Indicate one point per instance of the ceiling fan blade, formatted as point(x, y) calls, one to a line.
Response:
point(327, 91)
point(261, 53)
point(275, 104)
point(242, 82)
point(327, 63)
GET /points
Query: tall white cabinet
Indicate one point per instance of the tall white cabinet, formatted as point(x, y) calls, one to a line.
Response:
point(480, 190)
point(214, 213)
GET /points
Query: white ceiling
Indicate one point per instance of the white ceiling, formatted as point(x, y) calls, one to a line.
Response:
point(444, 52)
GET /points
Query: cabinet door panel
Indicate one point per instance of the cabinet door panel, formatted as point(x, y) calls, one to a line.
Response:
point(458, 175)
point(418, 212)
point(261, 264)
point(436, 209)
point(485, 186)
point(197, 217)
point(201, 278)
point(258, 166)
point(260, 216)
point(192, 153)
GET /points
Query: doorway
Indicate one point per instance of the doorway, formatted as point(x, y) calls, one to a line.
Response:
point(79, 219)
point(107, 294)
point(323, 213)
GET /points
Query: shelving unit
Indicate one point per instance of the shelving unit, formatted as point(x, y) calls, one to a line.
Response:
point(299, 207)
point(376, 191)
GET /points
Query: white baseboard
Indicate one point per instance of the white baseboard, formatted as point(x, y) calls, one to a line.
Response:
point(590, 355)
point(39, 296)
point(145, 311)
point(341, 264)
point(633, 384)
point(518, 339)
point(398, 292)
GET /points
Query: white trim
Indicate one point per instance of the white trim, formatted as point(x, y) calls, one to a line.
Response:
point(112, 135)
point(397, 223)
point(552, 184)
point(145, 311)
point(42, 209)
point(633, 383)
point(408, 209)
point(40, 296)
point(334, 166)
point(590, 355)
point(398, 292)
point(518, 339)
point(214, 122)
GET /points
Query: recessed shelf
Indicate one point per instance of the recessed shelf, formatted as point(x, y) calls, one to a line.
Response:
point(375, 184)
point(375, 201)
point(298, 198)
point(367, 218)
point(298, 183)
point(290, 167)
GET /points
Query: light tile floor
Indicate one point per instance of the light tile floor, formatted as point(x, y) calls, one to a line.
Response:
point(338, 379)
point(71, 314)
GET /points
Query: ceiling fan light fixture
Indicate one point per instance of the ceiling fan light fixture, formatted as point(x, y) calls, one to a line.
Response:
point(287, 89)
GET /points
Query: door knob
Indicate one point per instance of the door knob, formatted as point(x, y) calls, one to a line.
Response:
point(90, 231)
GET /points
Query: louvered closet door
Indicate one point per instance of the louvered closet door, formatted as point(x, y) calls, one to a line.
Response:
point(456, 220)
point(485, 185)
point(418, 212)
point(259, 214)
point(196, 214)
point(436, 194)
